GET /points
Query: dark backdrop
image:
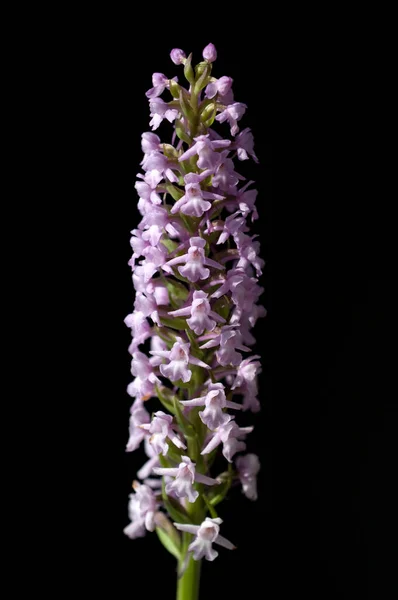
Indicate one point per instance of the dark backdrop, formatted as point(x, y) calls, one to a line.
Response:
point(322, 527)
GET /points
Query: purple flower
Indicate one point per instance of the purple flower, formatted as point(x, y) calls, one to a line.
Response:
point(219, 86)
point(142, 511)
point(195, 201)
point(184, 477)
point(150, 464)
point(244, 145)
point(229, 434)
point(161, 294)
point(157, 344)
point(248, 466)
point(215, 400)
point(210, 53)
point(140, 329)
point(206, 534)
point(200, 312)
point(232, 224)
point(194, 260)
point(248, 251)
point(155, 257)
point(178, 56)
point(150, 142)
point(158, 163)
point(147, 188)
point(247, 371)
point(179, 358)
point(147, 305)
point(234, 278)
point(232, 114)
point(195, 266)
point(138, 416)
point(144, 383)
point(225, 177)
point(158, 216)
point(160, 82)
point(161, 429)
point(206, 149)
point(160, 110)
point(247, 200)
point(229, 339)
point(178, 365)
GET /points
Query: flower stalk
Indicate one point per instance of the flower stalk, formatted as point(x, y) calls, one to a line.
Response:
point(188, 584)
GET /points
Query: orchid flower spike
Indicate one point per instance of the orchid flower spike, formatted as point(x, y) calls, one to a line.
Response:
point(195, 269)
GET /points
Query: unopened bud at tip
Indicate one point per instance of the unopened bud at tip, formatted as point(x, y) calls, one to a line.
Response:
point(210, 53)
point(178, 56)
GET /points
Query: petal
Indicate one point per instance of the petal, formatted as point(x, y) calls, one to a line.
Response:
point(234, 405)
point(214, 442)
point(222, 541)
point(211, 90)
point(212, 263)
point(199, 363)
point(177, 260)
point(189, 153)
point(166, 471)
point(181, 312)
point(135, 530)
point(177, 442)
point(206, 480)
point(194, 402)
point(188, 528)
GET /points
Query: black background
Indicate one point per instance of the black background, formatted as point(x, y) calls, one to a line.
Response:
point(322, 526)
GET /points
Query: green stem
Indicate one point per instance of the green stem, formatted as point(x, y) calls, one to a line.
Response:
point(188, 584)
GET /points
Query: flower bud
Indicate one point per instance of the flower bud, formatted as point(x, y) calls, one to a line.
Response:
point(224, 84)
point(200, 68)
point(174, 88)
point(178, 56)
point(210, 53)
point(208, 111)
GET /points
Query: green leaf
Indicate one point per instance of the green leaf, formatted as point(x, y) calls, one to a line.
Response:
point(186, 108)
point(201, 67)
point(219, 492)
point(188, 70)
point(210, 119)
point(174, 191)
point(181, 133)
point(175, 89)
point(174, 453)
point(206, 110)
point(169, 244)
point(169, 151)
point(165, 335)
point(211, 508)
point(192, 339)
point(203, 79)
point(163, 461)
point(169, 543)
point(210, 458)
point(164, 398)
point(187, 429)
point(222, 307)
point(174, 323)
point(178, 292)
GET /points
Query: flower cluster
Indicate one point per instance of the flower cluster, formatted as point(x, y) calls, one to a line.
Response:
point(195, 270)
